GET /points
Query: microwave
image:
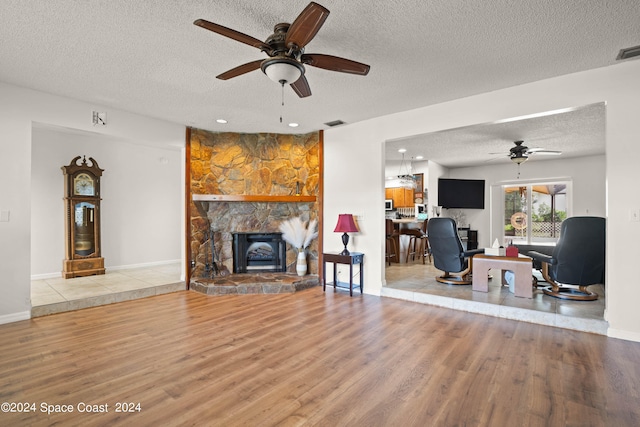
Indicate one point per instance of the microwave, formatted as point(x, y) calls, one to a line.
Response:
point(388, 205)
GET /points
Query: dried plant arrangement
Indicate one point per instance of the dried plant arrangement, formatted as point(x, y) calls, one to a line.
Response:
point(297, 233)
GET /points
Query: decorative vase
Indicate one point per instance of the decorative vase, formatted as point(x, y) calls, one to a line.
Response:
point(301, 264)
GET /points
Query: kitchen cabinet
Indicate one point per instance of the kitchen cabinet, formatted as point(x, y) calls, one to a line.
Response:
point(402, 197)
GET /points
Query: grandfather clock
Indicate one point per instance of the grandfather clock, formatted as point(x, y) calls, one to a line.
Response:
point(82, 219)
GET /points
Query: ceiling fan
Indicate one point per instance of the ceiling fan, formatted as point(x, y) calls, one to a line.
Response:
point(285, 48)
point(520, 153)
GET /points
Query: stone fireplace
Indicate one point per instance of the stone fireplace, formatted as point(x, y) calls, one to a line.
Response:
point(248, 183)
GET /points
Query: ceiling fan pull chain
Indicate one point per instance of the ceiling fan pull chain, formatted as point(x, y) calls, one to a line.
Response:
point(282, 83)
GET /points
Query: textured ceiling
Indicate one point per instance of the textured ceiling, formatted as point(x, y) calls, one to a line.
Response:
point(147, 57)
point(575, 132)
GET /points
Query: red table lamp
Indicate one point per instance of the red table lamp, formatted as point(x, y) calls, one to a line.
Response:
point(345, 225)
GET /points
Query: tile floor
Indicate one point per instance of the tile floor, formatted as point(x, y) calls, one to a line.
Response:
point(416, 282)
point(49, 296)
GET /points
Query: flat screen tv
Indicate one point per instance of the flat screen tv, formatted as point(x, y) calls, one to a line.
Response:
point(461, 193)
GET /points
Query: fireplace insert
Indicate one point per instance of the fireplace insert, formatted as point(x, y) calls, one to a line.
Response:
point(259, 252)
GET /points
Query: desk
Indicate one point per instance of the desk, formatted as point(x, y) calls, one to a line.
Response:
point(352, 259)
point(521, 267)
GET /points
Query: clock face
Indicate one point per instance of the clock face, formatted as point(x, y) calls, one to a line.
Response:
point(83, 185)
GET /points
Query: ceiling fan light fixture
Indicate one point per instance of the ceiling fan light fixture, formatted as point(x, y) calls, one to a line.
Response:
point(519, 158)
point(282, 70)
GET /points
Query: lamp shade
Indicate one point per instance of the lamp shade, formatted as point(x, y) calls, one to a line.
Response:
point(519, 158)
point(345, 224)
point(282, 70)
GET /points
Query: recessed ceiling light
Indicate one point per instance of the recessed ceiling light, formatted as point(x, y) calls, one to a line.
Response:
point(293, 125)
point(402, 150)
point(419, 157)
point(221, 121)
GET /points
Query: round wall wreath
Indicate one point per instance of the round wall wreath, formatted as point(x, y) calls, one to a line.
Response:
point(519, 220)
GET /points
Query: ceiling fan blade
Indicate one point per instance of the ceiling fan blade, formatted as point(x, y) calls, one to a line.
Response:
point(543, 151)
point(496, 158)
point(547, 152)
point(301, 87)
point(232, 34)
point(240, 70)
point(306, 25)
point(334, 63)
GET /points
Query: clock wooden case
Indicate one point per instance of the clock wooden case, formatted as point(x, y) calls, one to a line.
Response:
point(82, 219)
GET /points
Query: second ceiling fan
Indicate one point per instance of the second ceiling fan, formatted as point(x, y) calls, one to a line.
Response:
point(520, 153)
point(285, 48)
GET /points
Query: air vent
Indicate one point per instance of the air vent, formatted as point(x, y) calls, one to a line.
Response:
point(629, 52)
point(335, 123)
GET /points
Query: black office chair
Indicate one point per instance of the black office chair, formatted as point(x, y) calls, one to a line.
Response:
point(577, 260)
point(448, 253)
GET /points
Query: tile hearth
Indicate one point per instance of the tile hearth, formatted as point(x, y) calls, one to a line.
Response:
point(254, 283)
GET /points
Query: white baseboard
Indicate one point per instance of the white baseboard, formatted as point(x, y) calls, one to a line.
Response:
point(623, 335)
point(58, 274)
point(144, 265)
point(15, 317)
point(45, 276)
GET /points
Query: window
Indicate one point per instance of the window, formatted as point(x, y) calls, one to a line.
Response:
point(533, 213)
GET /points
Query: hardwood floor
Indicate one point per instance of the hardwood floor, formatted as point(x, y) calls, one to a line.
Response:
point(311, 358)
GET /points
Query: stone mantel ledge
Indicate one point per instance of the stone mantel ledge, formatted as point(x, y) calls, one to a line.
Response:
point(251, 198)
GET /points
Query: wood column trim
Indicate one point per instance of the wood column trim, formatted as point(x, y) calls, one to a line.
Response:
point(187, 207)
point(320, 202)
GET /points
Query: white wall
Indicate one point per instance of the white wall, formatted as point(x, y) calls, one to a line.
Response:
point(362, 195)
point(19, 109)
point(617, 85)
point(392, 168)
point(139, 224)
point(435, 171)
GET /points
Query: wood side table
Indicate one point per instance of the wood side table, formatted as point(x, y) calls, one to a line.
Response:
point(521, 267)
point(354, 258)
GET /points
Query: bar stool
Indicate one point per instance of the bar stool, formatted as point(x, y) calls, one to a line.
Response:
point(414, 235)
point(425, 249)
point(391, 250)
